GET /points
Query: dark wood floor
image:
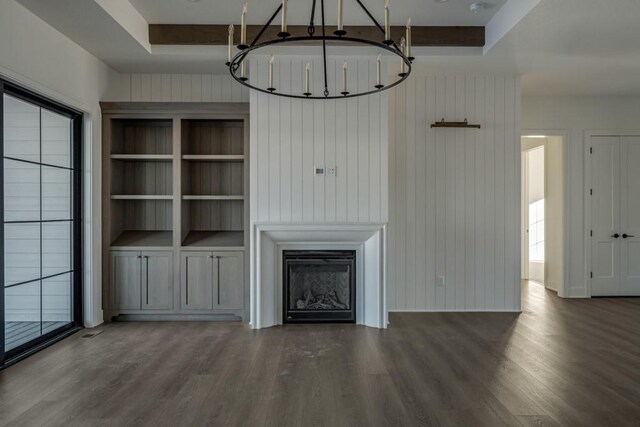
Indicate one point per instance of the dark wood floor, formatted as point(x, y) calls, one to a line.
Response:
point(561, 362)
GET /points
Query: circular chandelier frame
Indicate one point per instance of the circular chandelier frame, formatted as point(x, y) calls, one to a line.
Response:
point(340, 36)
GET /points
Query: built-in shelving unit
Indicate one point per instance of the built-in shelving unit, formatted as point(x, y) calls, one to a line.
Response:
point(175, 183)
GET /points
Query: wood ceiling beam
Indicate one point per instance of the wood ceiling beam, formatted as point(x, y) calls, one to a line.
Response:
point(168, 34)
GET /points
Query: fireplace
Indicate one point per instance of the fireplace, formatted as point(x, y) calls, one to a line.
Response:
point(319, 286)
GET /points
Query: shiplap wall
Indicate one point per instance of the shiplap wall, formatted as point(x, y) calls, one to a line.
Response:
point(291, 136)
point(178, 88)
point(454, 194)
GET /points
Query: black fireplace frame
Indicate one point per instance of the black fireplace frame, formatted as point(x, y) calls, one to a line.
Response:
point(320, 257)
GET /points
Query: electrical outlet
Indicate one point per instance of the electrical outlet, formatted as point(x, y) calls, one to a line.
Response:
point(319, 170)
point(440, 282)
point(331, 171)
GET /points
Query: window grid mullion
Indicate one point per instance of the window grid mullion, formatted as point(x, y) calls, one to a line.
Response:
point(41, 251)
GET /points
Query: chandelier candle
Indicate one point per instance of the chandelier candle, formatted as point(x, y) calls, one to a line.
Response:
point(307, 72)
point(243, 23)
point(230, 44)
point(408, 36)
point(344, 78)
point(271, 60)
point(283, 27)
point(340, 26)
point(243, 71)
point(387, 25)
point(378, 66)
point(403, 47)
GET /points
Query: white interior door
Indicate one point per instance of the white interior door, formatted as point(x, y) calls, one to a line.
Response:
point(605, 216)
point(630, 215)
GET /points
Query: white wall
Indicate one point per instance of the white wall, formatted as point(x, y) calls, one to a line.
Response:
point(290, 137)
point(573, 116)
point(177, 88)
point(38, 57)
point(454, 194)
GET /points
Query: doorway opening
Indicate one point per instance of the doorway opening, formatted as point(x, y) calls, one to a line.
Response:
point(543, 225)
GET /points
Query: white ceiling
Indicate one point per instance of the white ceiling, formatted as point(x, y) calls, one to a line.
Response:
point(568, 47)
point(562, 47)
point(422, 12)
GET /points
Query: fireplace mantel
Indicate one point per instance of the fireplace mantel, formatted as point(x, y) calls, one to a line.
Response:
point(268, 240)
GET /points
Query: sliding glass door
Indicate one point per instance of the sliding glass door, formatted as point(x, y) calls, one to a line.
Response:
point(41, 241)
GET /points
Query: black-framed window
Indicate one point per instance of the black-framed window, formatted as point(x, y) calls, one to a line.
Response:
point(40, 212)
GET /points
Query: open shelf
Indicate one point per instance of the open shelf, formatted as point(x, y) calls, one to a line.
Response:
point(214, 239)
point(198, 197)
point(143, 157)
point(141, 239)
point(141, 222)
point(143, 137)
point(212, 137)
point(214, 157)
point(141, 177)
point(212, 223)
point(207, 180)
point(141, 197)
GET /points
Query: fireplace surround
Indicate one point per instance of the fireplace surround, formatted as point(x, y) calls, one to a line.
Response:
point(319, 286)
point(270, 240)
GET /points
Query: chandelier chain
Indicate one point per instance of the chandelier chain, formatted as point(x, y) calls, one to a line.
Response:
point(324, 51)
point(312, 28)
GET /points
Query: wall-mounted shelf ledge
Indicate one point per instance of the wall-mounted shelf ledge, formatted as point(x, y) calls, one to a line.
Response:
point(140, 197)
point(214, 157)
point(463, 125)
point(212, 197)
point(143, 157)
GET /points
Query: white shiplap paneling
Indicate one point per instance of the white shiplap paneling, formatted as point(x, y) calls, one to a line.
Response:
point(178, 88)
point(290, 137)
point(454, 194)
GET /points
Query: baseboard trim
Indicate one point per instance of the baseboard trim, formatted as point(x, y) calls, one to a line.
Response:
point(177, 318)
point(457, 311)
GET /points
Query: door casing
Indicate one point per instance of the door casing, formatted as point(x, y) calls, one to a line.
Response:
point(563, 291)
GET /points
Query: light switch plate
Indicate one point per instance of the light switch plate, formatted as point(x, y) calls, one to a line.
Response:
point(440, 281)
point(318, 170)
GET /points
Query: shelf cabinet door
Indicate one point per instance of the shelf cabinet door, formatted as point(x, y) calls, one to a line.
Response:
point(125, 280)
point(197, 281)
point(228, 280)
point(157, 280)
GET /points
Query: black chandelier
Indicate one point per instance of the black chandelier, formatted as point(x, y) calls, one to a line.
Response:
point(237, 62)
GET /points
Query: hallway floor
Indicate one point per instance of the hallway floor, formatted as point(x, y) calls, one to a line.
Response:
point(560, 362)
